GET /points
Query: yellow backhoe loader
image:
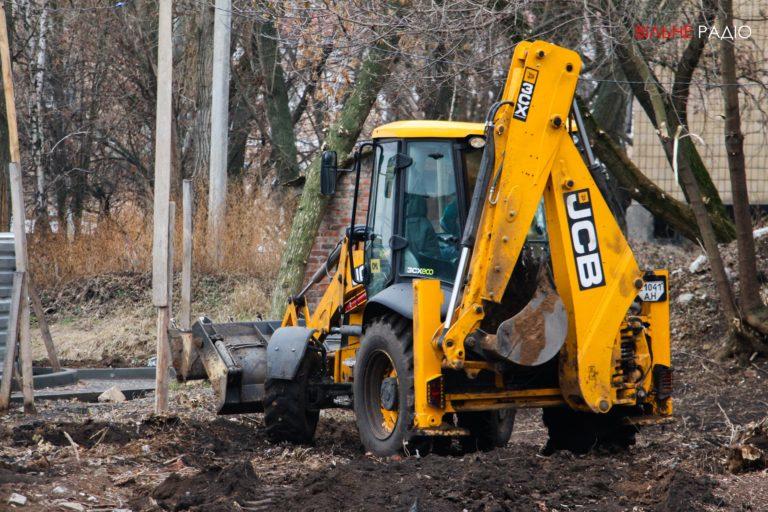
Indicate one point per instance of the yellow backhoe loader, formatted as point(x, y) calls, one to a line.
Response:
point(490, 275)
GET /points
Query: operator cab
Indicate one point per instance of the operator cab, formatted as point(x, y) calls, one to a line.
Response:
point(422, 177)
point(416, 213)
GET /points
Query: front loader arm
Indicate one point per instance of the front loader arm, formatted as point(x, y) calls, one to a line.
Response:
point(341, 288)
point(595, 272)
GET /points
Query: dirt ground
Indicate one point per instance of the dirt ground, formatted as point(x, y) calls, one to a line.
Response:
point(74, 456)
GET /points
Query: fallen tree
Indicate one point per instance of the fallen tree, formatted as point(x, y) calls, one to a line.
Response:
point(634, 182)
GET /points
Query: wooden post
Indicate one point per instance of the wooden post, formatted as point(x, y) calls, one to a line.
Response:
point(11, 340)
point(171, 229)
point(10, 102)
point(37, 305)
point(19, 214)
point(25, 350)
point(162, 200)
point(217, 194)
point(20, 242)
point(185, 311)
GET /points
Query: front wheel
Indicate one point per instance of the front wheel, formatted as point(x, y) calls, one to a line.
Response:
point(288, 413)
point(383, 386)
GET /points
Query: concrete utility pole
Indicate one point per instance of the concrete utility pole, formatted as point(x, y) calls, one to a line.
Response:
point(160, 241)
point(217, 190)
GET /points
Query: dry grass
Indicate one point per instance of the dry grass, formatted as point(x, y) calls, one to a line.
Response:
point(256, 227)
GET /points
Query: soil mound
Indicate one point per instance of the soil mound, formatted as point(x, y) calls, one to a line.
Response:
point(84, 434)
point(215, 489)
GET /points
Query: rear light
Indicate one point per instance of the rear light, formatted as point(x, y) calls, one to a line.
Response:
point(436, 393)
point(662, 381)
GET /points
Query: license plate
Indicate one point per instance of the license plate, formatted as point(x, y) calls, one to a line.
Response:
point(654, 289)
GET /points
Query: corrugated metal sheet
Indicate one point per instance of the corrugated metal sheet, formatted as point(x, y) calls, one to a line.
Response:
point(7, 268)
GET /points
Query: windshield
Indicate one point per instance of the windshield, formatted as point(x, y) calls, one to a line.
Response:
point(432, 224)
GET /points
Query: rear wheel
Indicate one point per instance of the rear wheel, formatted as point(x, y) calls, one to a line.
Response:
point(287, 412)
point(488, 429)
point(383, 387)
point(580, 432)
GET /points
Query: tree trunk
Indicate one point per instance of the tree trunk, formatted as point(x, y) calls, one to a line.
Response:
point(749, 298)
point(38, 54)
point(240, 118)
point(276, 102)
point(243, 89)
point(709, 239)
point(341, 138)
point(436, 93)
point(196, 83)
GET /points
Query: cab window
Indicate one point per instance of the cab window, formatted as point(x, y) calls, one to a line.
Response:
point(432, 222)
point(378, 253)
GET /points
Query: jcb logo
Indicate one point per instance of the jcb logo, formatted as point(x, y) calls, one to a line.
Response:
point(525, 96)
point(586, 251)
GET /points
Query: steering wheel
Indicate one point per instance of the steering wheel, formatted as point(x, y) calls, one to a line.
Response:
point(448, 238)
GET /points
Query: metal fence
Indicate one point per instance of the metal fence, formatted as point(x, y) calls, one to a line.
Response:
point(7, 269)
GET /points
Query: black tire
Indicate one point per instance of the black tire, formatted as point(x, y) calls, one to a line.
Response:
point(488, 429)
point(581, 432)
point(286, 413)
point(386, 346)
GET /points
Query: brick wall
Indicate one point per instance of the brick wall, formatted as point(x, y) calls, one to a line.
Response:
point(335, 223)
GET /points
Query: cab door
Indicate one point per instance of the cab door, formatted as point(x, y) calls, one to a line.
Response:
point(381, 217)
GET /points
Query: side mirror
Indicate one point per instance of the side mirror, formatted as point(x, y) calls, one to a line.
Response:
point(402, 161)
point(328, 170)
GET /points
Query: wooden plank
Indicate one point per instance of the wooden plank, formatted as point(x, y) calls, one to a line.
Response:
point(20, 243)
point(25, 351)
point(185, 313)
point(11, 340)
point(162, 156)
point(164, 314)
point(37, 306)
point(19, 216)
point(171, 229)
point(163, 353)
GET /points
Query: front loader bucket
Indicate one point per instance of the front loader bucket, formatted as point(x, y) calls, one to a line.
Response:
point(235, 358)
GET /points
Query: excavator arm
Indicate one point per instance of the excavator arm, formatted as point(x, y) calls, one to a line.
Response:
point(531, 155)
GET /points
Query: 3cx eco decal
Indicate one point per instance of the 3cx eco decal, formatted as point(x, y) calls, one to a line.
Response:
point(420, 271)
point(586, 251)
point(525, 96)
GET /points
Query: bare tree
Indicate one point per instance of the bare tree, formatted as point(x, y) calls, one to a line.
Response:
point(753, 309)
